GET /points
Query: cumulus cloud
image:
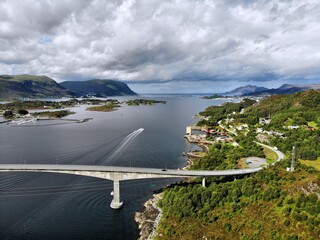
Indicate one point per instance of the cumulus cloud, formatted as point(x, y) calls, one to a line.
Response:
point(162, 42)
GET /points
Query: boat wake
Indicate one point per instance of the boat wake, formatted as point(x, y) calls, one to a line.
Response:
point(123, 145)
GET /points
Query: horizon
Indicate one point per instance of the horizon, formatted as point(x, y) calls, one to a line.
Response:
point(163, 47)
point(179, 93)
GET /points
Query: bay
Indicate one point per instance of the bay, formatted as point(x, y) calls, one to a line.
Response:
point(56, 206)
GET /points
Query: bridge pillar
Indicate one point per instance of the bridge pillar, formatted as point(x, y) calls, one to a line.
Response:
point(115, 203)
point(204, 182)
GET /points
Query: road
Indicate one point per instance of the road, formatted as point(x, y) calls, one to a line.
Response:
point(279, 153)
point(91, 168)
point(135, 173)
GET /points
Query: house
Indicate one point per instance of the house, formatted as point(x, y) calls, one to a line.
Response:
point(240, 128)
point(259, 130)
point(293, 127)
point(265, 120)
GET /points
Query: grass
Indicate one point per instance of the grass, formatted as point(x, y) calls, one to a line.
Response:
point(201, 154)
point(242, 163)
point(252, 218)
point(289, 122)
point(313, 124)
point(104, 108)
point(53, 114)
point(312, 163)
point(271, 156)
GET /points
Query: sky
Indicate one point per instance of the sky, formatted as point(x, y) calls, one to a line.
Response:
point(159, 46)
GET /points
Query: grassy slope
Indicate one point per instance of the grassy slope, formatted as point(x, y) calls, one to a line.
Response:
point(29, 86)
point(252, 217)
point(225, 211)
point(271, 156)
point(312, 163)
point(104, 108)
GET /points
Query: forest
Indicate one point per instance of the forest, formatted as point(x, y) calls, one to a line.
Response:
point(268, 205)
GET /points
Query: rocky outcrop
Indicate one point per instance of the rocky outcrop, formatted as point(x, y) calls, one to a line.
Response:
point(149, 219)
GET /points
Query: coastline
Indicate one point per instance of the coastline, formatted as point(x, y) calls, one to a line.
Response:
point(149, 219)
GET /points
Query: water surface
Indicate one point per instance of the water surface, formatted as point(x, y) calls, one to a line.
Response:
point(56, 206)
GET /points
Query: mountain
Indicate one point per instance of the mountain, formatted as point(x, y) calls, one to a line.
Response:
point(261, 91)
point(304, 87)
point(98, 88)
point(313, 86)
point(276, 91)
point(245, 90)
point(29, 86)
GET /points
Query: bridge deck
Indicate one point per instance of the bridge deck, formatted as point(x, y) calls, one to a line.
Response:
point(114, 169)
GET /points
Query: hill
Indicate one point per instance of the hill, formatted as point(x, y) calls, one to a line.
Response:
point(306, 101)
point(98, 88)
point(271, 204)
point(28, 86)
point(251, 90)
point(245, 90)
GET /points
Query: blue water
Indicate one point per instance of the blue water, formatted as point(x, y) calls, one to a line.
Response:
point(56, 206)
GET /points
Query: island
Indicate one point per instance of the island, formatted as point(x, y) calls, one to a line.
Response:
point(137, 102)
point(52, 114)
point(19, 110)
point(214, 96)
point(114, 105)
point(107, 107)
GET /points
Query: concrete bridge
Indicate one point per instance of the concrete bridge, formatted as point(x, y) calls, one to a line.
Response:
point(117, 174)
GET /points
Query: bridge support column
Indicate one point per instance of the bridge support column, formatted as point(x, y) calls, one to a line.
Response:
point(204, 182)
point(115, 203)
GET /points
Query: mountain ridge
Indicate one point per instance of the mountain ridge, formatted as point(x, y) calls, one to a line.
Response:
point(32, 86)
point(29, 86)
point(98, 87)
point(245, 89)
point(252, 90)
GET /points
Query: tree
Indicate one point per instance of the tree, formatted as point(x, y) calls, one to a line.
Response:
point(22, 112)
point(8, 114)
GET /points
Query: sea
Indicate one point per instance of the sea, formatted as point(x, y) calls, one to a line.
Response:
point(50, 206)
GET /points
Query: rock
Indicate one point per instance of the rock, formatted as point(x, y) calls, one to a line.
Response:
point(149, 219)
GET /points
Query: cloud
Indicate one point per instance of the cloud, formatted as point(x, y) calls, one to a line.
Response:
point(162, 42)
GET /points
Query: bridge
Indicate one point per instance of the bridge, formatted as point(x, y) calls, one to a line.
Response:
point(117, 174)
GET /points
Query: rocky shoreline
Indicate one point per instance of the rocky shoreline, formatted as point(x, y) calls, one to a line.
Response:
point(149, 219)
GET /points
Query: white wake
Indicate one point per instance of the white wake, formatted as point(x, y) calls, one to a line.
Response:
point(124, 144)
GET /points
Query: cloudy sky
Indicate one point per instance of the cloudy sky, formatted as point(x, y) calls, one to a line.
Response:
point(164, 46)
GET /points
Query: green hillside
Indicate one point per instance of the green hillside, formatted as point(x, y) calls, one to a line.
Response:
point(300, 111)
point(28, 86)
point(302, 101)
point(271, 204)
